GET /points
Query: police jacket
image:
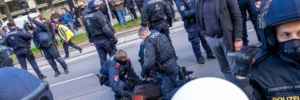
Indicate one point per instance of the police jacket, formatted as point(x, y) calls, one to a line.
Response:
point(116, 72)
point(273, 77)
point(17, 39)
point(98, 27)
point(186, 8)
point(40, 27)
point(82, 12)
point(5, 56)
point(155, 10)
point(157, 48)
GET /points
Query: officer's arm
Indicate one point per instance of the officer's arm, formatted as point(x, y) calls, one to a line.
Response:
point(236, 18)
point(88, 32)
point(114, 79)
point(141, 52)
point(102, 22)
point(25, 37)
point(168, 10)
point(181, 7)
point(145, 16)
point(35, 41)
point(149, 57)
point(43, 26)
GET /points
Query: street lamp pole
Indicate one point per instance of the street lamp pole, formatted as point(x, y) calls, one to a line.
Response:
point(109, 13)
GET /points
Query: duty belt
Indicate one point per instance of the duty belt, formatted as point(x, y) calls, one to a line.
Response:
point(21, 49)
point(217, 36)
point(192, 20)
point(158, 22)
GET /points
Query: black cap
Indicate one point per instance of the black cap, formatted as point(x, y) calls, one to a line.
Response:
point(11, 24)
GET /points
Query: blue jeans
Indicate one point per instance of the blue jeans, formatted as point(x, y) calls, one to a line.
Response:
point(66, 47)
point(133, 13)
point(75, 27)
point(121, 15)
point(104, 47)
point(27, 54)
point(52, 53)
point(168, 87)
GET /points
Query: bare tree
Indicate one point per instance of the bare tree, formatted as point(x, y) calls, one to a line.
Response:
point(49, 2)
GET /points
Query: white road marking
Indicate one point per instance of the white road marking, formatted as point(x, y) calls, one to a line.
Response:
point(250, 30)
point(71, 80)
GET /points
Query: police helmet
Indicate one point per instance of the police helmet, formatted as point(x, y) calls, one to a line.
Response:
point(209, 88)
point(273, 13)
point(27, 85)
point(93, 4)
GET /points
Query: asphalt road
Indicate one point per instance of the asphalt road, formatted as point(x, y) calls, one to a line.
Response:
point(82, 84)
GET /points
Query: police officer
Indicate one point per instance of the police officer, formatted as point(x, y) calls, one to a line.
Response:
point(43, 40)
point(253, 9)
point(274, 72)
point(186, 9)
point(100, 32)
point(159, 49)
point(20, 43)
point(5, 55)
point(118, 73)
point(154, 13)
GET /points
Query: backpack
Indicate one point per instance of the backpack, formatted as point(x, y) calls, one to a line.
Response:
point(44, 39)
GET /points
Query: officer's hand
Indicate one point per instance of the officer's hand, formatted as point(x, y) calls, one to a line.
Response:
point(92, 44)
point(128, 94)
point(244, 60)
point(115, 41)
point(30, 18)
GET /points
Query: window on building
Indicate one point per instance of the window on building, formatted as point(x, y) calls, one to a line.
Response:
point(13, 6)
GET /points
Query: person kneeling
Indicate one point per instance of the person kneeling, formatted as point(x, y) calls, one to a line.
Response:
point(118, 73)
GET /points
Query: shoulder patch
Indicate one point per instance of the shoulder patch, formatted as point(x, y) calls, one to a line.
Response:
point(116, 78)
point(118, 65)
point(182, 7)
point(128, 59)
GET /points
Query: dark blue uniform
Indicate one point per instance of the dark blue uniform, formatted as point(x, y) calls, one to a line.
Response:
point(20, 42)
point(244, 7)
point(5, 56)
point(154, 13)
point(50, 52)
point(187, 10)
point(159, 49)
point(101, 33)
point(116, 75)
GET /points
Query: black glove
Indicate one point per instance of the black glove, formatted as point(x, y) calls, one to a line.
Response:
point(141, 61)
point(30, 18)
point(168, 67)
point(115, 41)
point(244, 59)
point(170, 22)
point(128, 95)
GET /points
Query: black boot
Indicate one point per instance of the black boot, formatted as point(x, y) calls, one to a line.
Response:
point(210, 56)
point(66, 71)
point(57, 73)
point(201, 60)
point(41, 76)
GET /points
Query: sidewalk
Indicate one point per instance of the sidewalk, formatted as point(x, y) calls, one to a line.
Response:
point(123, 36)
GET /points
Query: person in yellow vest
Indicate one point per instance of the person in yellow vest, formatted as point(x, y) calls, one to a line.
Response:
point(65, 35)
